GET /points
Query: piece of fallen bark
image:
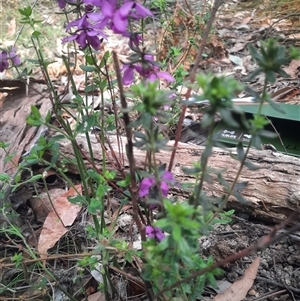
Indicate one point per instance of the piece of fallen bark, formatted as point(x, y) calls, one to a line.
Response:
point(269, 189)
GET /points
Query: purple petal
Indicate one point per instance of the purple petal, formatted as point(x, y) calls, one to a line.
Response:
point(160, 235)
point(139, 70)
point(92, 33)
point(15, 59)
point(69, 39)
point(83, 22)
point(71, 24)
point(81, 40)
point(96, 17)
point(155, 232)
point(142, 11)
point(125, 9)
point(94, 41)
point(107, 9)
point(150, 231)
point(3, 55)
point(167, 176)
point(145, 186)
point(93, 2)
point(102, 24)
point(120, 23)
point(149, 58)
point(164, 188)
point(166, 76)
point(151, 77)
point(61, 4)
point(128, 76)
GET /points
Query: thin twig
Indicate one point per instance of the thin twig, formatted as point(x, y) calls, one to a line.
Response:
point(192, 77)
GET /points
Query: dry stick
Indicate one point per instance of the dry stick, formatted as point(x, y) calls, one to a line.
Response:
point(269, 294)
point(129, 149)
point(198, 59)
point(130, 156)
point(262, 243)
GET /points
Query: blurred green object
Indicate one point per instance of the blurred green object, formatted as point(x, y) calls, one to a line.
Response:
point(286, 126)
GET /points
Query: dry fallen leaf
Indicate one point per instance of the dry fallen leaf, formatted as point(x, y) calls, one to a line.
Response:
point(238, 290)
point(97, 297)
point(41, 205)
point(293, 69)
point(54, 226)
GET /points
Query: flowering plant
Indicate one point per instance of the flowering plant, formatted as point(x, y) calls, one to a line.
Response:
point(169, 227)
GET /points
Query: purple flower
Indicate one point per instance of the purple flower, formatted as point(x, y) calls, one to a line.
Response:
point(88, 32)
point(3, 61)
point(117, 18)
point(128, 10)
point(107, 13)
point(147, 183)
point(155, 232)
point(14, 58)
point(5, 57)
point(148, 71)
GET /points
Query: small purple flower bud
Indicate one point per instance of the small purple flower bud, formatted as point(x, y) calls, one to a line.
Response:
point(147, 183)
point(155, 232)
point(145, 186)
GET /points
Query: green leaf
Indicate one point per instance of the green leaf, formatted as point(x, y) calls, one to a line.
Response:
point(34, 178)
point(94, 175)
point(36, 34)
point(104, 60)
point(4, 177)
point(88, 68)
point(36, 62)
point(94, 206)
point(35, 118)
point(90, 88)
point(267, 134)
point(192, 170)
point(27, 11)
point(253, 74)
point(78, 199)
point(240, 151)
point(4, 145)
point(89, 59)
point(271, 76)
point(241, 199)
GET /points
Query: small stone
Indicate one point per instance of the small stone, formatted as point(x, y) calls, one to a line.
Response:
point(252, 293)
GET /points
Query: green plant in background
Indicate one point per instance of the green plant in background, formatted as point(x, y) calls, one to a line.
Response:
point(170, 229)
